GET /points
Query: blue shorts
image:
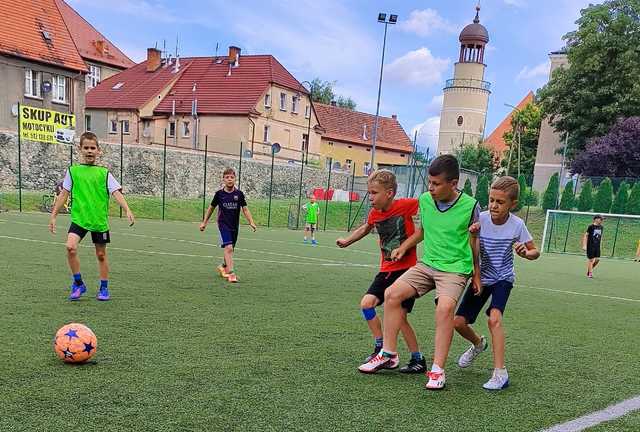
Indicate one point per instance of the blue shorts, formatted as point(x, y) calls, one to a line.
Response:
point(228, 237)
point(471, 305)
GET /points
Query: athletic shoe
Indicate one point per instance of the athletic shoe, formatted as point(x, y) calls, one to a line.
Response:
point(379, 362)
point(314, 242)
point(590, 275)
point(436, 381)
point(375, 352)
point(470, 355)
point(103, 294)
point(223, 271)
point(497, 382)
point(77, 291)
point(304, 241)
point(414, 366)
point(231, 277)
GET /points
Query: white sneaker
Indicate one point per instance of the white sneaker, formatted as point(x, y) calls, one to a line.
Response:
point(470, 355)
point(379, 362)
point(497, 382)
point(436, 380)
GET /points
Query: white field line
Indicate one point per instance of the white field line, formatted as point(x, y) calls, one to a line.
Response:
point(587, 421)
point(329, 264)
point(580, 293)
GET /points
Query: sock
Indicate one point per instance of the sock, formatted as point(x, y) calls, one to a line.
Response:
point(437, 369)
point(480, 346)
point(77, 279)
point(104, 284)
point(378, 342)
point(416, 356)
point(501, 372)
point(229, 271)
point(305, 238)
point(388, 354)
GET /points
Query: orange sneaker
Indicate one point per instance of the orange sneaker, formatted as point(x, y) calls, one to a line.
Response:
point(231, 277)
point(223, 272)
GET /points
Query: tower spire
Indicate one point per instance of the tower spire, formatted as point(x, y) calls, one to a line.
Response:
point(476, 20)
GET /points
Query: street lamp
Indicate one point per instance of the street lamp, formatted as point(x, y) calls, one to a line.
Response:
point(382, 18)
point(305, 145)
point(519, 131)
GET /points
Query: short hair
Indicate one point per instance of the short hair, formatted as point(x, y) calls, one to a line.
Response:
point(447, 165)
point(597, 217)
point(509, 185)
point(89, 136)
point(385, 178)
point(229, 171)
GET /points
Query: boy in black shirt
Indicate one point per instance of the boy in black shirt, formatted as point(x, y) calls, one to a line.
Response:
point(591, 244)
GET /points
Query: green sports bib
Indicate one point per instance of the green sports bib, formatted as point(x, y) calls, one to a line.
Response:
point(90, 197)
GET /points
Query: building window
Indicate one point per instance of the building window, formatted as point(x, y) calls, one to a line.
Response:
point(402, 155)
point(305, 141)
point(172, 129)
point(460, 120)
point(32, 81)
point(348, 163)
point(366, 167)
point(146, 128)
point(266, 136)
point(125, 127)
point(87, 122)
point(307, 111)
point(186, 132)
point(267, 100)
point(283, 101)
point(59, 87)
point(330, 143)
point(113, 126)
point(93, 77)
point(294, 104)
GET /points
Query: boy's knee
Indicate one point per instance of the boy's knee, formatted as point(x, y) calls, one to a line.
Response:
point(495, 320)
point(459, 321)
point(392, 296)
point(72, 249)
point(446, 306)
point(101, 254)
point(368, 302)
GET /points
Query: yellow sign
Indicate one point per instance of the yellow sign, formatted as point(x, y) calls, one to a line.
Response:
point(39, 124)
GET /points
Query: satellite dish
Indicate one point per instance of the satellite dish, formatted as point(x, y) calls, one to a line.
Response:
point(248, 154)
point(275, 148)
point(14, 110)
point(46, 86)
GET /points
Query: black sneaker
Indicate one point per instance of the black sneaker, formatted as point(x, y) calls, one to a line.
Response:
point(414, 366)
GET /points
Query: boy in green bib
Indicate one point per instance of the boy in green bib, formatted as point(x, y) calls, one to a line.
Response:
point(90, 187)
point(313, 210)
point(450, 258)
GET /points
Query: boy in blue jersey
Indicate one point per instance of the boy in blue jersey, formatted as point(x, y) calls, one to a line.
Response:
point(230, 201)
point(500, 234)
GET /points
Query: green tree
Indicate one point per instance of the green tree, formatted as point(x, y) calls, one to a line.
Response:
point(585, 200)
point(523, 198)
point(322, 91)
point(467, 187)
point(550, 197)
point(567, 200)
point(622, 197)
point(601, 83)
point(525, 128)
point(604, 197)
point(476, 157)
point(633, 206)
point(482, 191)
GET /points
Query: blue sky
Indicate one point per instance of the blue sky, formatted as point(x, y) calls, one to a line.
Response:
point(342, 41)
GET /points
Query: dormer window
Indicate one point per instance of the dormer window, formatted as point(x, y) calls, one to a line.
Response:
point(118, 86)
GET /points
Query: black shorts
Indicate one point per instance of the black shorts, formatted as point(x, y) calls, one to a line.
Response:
point(593, 252)
point(471, 304)
point(96, 237)
point(228, 237)
point(384, 280)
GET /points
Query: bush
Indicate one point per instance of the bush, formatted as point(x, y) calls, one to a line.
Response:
point(604, 196)
point(585, 200)
point(567, 199)
point(633, 206)
point(482, 191)
point(621, 199)
point(523, 198)
point(467, 187)
point(550, 197)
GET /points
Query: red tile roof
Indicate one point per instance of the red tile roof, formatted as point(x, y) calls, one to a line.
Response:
point(138, 87)
point(21, 33)
point(496, 141)
point(219, 93)
point(349, 126)
point(85, 37)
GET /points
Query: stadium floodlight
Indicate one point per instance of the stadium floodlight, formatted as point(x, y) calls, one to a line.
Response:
point(382, 17)
point(393, 19)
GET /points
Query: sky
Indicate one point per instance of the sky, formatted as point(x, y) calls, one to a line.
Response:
point(341, 41)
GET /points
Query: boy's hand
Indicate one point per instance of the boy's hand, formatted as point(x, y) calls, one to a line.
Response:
point(474, 228)
point(476, 283)
point(253, 227)
point(342, 243)
point(52, 225)
point(203, 225)
point(520, 249)
point(131, 218)
point(397, 254)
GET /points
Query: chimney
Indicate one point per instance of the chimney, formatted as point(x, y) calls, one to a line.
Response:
point(394, 116)
point(334, 103)
point(154, 59)
point(100, 46)
point(234, 56)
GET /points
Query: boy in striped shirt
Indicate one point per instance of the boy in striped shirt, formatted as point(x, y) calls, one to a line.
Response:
point(500, 234)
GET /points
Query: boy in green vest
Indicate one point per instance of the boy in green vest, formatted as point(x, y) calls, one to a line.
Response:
point(313, 211)
point(450, 257)
point(90, 187)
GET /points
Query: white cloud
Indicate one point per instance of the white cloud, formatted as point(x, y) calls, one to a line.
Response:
point(425, 22)
point(516, 3)
point(418, 67)
point(427, 138)
point(435, 104)
point(526, 73)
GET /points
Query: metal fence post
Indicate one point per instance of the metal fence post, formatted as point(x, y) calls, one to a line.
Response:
point(273, 155)
point(566, 237)
point(121, 157)
point(19, 163)
point(300, 191)
point(615, 239)
point(164, 171)
point(326, 197)
point(353, 177)
point(204, 182)
point(240, 167)
point(71, 155)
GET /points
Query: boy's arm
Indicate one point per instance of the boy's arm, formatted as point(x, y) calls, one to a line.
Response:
point(57, 205)
point(207, 216)
point(406, 245)
point(584, 241)
point(476, 280)
point(247, 215)
point(356, 235)
point(123, 203)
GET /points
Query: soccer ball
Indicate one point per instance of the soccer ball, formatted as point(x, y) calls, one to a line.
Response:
point(75, 343)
